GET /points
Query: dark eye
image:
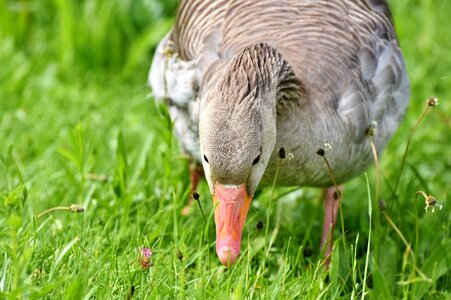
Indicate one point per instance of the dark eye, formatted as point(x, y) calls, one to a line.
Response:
point(256, 160)
point(206, 159)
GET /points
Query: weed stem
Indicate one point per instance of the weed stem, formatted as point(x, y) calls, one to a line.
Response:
point(196, 197)
point(75, 208)
point(321, 153)
point(431, 102)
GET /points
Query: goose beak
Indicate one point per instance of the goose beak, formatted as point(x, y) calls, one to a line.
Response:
point(231, 206)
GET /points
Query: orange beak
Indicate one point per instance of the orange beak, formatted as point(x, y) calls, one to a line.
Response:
point(231, 207)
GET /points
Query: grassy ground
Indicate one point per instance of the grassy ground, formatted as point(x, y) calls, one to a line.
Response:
point(78, 126)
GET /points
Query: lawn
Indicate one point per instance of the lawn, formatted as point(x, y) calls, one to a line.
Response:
point(78, 126)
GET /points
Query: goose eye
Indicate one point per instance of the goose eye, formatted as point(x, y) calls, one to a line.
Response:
point(256, 160)
point(206, 159)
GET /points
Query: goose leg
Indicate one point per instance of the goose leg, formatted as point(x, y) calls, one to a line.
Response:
point(331, 204)
point(196, 173)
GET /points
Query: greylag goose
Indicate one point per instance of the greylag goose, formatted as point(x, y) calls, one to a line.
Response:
point(244, 78)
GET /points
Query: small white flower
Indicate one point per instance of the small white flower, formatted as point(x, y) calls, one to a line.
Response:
point(432, 101)
point(430, 202)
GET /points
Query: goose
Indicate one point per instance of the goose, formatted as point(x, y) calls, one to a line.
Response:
point(243, 79)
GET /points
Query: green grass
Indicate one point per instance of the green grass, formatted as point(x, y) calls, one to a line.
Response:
point(78, 126)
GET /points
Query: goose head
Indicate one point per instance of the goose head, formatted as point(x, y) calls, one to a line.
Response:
point(237, 137)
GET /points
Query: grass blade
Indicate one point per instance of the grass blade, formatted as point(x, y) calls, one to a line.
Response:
point(368, 247)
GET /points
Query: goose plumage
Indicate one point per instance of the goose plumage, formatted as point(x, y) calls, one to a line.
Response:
point(244, 78)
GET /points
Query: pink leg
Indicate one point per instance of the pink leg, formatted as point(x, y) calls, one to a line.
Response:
point(331, 204)
point(196, 173)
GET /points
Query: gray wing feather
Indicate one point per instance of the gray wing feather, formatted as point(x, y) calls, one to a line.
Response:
point(157, 75)
point(172, 78)
point(383, 96)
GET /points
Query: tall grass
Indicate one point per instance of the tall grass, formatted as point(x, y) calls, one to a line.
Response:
point(77, 126)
